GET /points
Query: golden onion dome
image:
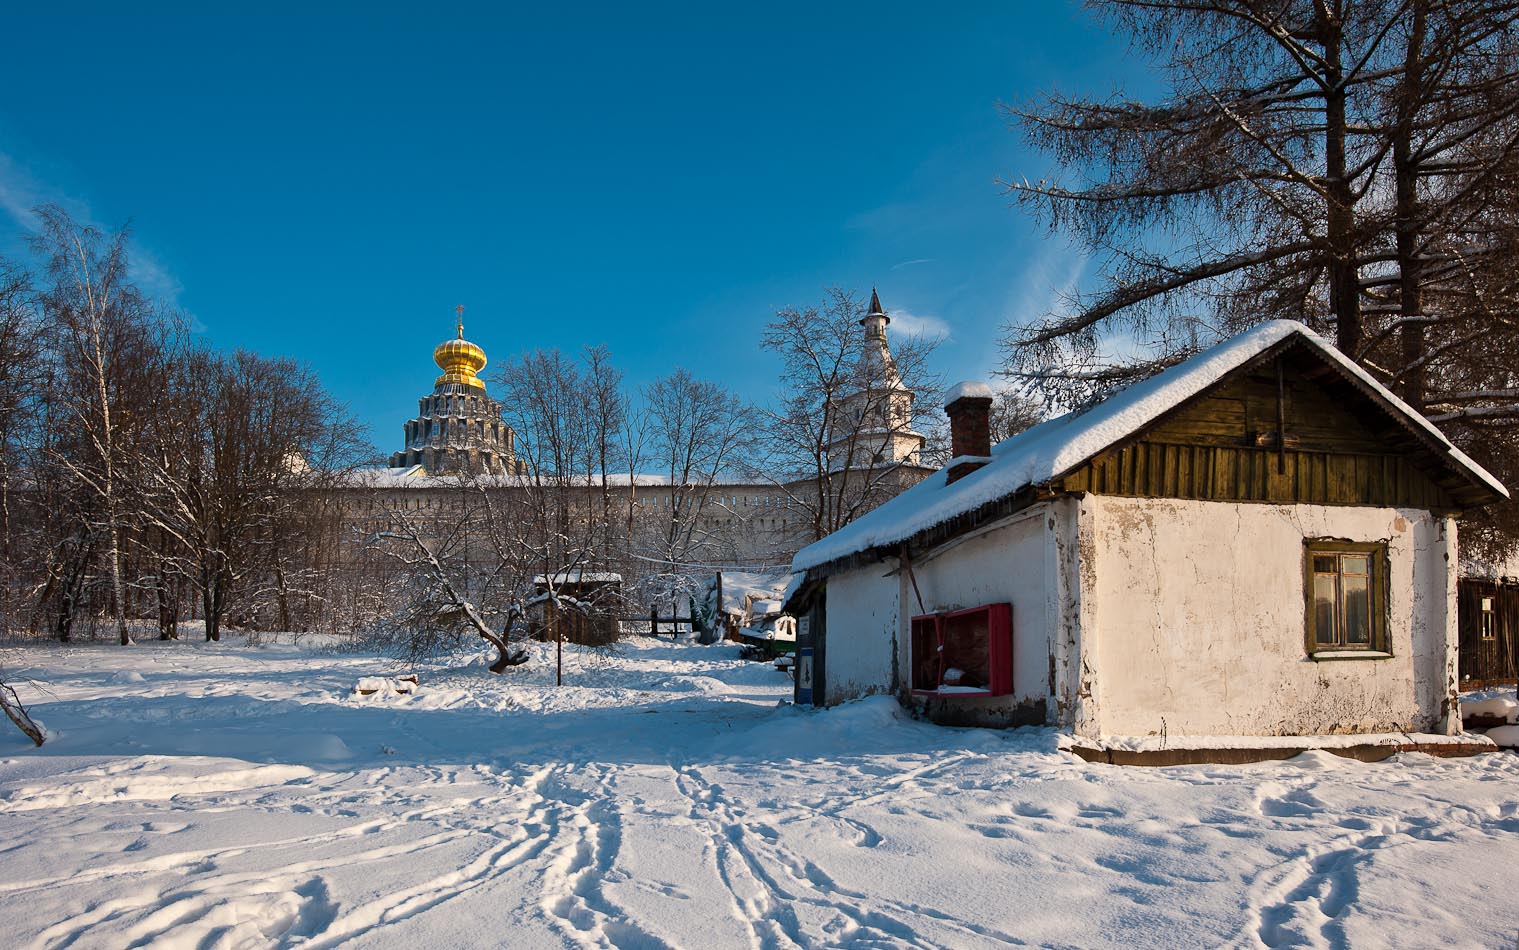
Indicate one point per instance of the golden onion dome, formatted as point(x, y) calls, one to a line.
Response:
point(459, 359)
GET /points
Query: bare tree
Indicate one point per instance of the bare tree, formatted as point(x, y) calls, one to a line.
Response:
point(607, 407)
point(840, 438)
point(20, 385)
point(567, 415)
point(253, 440)
point(444, 591)
point(1348, 163)
point(105, 335)
point(698, 433)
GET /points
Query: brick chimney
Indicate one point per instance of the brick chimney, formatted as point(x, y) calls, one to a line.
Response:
point(969, 407)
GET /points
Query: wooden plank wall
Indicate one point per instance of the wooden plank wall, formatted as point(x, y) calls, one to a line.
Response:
point(1166, 470)
point(1223, 446)
point(1486, 660)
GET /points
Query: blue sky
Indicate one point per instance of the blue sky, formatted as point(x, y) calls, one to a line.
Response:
point(659, 179)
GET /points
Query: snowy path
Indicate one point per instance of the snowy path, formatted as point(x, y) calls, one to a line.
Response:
point(226, 796)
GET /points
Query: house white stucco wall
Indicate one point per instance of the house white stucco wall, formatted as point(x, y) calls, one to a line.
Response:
point(1011, 562)
point(1193, 621)
point(1003, 563)
point(862, 612)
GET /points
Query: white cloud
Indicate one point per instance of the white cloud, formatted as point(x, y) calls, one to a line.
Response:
point(1046, 283)
point(917, 324)
point(916, 260)
point(18, 194)
point(21, 192)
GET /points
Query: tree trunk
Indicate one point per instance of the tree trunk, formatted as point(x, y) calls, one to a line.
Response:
point(17, 714)
point(68, 604)
point(209, 596)
point(1344, 277)
point(168, 609)
point(39, 609)
point(1406, 183)
point(113, 558)
point(282, 597)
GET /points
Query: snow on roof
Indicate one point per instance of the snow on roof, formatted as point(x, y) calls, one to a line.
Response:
point(970, 387)
point(737, 585)
point(1058, 445)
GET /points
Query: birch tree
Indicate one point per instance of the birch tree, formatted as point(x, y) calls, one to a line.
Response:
point(105, 334)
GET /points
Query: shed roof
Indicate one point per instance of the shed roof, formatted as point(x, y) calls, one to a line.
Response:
point(1053, 448)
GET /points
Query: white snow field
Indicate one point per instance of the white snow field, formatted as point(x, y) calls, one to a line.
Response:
point(231, 795)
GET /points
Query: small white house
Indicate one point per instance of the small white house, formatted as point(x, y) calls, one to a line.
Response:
point(1258, 542)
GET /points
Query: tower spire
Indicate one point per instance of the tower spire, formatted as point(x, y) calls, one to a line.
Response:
point(460, 311)
point(875, 318)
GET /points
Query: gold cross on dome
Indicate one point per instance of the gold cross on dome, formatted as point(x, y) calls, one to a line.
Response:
point(460, 311)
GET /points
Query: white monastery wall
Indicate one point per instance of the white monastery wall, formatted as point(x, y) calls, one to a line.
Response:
point(1193, 617)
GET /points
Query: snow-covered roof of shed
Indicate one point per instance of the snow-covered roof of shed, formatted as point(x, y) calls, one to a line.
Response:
point(1058, 445)
point(738, 585)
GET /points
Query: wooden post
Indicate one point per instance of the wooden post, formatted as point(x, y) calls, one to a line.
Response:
point(654, 621)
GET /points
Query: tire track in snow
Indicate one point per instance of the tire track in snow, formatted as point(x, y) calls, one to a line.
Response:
point(909, 780)
point(592, 825)
point(749, 847)
point(204, 907)
point(530, 834)
point(771, 923)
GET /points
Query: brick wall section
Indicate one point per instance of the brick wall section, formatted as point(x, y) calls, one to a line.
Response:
point(970, 433)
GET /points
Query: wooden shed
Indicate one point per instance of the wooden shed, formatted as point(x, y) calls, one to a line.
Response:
point(577, 607)
point(1488, 609)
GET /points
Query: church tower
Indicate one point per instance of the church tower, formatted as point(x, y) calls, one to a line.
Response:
point(458, 428)
point(875, 417)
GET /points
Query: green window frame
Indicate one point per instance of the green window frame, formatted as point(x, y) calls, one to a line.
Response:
point(1345, 590)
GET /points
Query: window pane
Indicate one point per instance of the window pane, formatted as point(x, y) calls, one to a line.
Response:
point(1357, 609)
point(1324, 565)
point(1323, 609)
point(1354, 563)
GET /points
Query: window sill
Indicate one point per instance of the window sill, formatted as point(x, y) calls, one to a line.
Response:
point(953, 691)
point(1349, 655)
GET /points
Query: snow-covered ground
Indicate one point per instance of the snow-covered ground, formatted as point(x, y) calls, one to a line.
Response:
point(224, 795)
